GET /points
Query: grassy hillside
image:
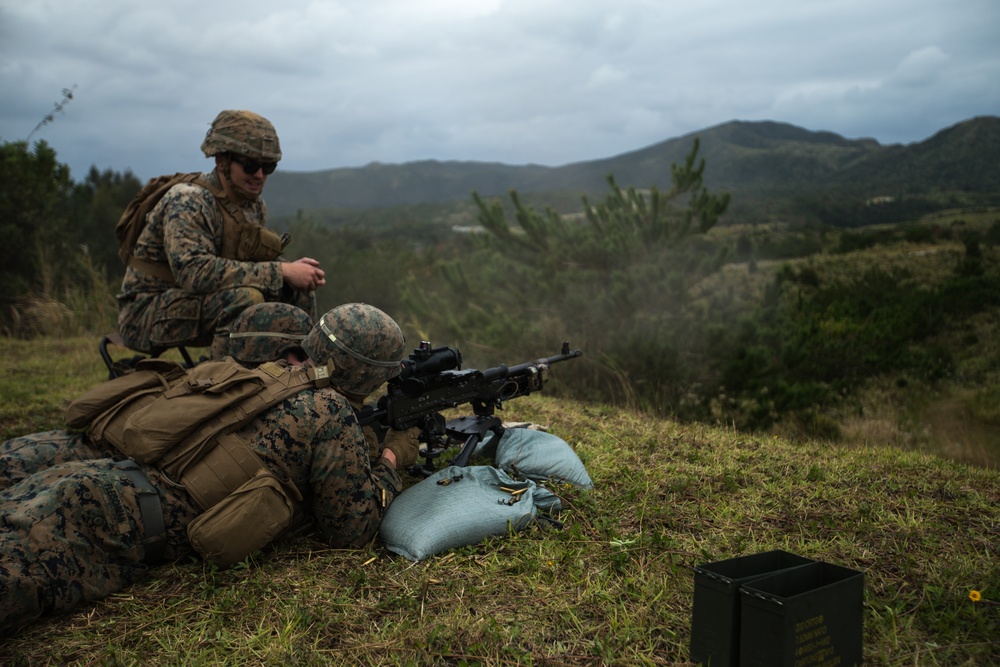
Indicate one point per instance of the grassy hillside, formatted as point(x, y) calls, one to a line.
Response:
point(614, 587)
point(954, 415)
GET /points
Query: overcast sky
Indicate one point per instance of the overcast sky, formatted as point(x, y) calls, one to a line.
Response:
point(349, 82)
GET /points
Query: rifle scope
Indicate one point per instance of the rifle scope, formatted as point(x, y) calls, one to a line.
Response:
point(429, 361)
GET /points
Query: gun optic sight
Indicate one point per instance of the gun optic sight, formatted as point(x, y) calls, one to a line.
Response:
point(426, 360)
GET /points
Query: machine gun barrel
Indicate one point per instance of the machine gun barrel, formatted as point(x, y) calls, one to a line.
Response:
point(565, 355)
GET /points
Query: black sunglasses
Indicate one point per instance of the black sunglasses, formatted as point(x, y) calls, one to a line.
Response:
point(250, 167)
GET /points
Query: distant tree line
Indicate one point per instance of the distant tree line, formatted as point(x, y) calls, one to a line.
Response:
point(56, 235)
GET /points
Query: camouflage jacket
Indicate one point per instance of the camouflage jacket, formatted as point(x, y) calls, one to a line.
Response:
point(313, 439)
point(185, 229)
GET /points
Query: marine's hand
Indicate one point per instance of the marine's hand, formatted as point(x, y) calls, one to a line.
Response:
point(303, 274)
point(404, 444)
point(389, 457)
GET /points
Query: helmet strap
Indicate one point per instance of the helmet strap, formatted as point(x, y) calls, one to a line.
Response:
point(223, 167)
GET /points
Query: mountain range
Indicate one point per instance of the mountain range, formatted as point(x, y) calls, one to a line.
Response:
point(751, 160)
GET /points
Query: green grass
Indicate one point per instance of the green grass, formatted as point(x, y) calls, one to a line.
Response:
point(39, 377)
point(614, 587)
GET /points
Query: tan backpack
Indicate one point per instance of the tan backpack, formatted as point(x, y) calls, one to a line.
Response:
point(164, 415)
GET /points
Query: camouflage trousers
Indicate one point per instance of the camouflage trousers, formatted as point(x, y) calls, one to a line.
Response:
point(155, 322)
point(76, 528)
point(24, 456)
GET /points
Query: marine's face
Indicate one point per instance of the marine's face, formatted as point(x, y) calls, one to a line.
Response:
point(248, 175)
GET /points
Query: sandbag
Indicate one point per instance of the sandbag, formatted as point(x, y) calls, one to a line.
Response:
point(537, 455)
point(456, 507)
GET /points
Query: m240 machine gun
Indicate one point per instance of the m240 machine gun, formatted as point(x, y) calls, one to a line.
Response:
point(432, 380)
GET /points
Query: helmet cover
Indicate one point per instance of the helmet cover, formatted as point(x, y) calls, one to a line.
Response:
point(244, 133)
point(268, 331)
point(364, 343)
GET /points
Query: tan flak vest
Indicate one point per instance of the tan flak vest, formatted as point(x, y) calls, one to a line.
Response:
point(241, 239)
point(183, 422)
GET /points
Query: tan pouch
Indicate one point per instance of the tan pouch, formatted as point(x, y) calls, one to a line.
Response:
point(244, 521)
point(212, 473)
point(105, 409)
point(150, 374)
point(258, 244)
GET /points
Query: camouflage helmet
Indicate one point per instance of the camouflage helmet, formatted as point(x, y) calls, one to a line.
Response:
point(268, 331)
point(242, 132)
point(365, 345)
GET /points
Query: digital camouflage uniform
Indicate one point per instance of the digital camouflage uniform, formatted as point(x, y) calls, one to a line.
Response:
point(73, 525)
point(72, 528)
point(185, 230)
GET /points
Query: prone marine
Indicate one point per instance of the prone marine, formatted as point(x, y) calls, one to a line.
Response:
point(82, 520)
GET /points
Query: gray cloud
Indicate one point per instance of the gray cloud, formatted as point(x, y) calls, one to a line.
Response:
point(349, 82)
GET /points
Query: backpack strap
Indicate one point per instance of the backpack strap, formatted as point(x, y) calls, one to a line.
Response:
point(233, 220)
point(133, 219)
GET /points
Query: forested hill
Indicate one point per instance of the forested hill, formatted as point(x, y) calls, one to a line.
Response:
point(749, 159)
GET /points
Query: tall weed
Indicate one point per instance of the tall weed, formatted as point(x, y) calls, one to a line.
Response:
point(74, 298)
